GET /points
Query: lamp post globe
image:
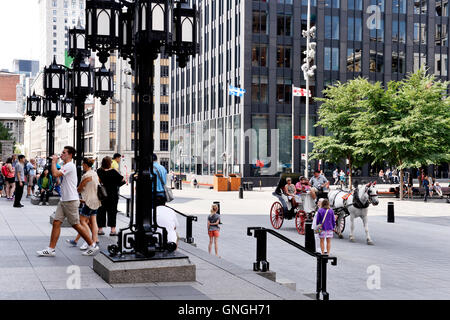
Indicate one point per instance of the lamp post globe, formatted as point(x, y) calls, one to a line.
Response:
point(67, 108)
point(54, 80)
point(33, 106)
point(103, 84)
point(102, 21)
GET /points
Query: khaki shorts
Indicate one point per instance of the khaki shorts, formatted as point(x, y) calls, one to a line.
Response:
point(69, 210)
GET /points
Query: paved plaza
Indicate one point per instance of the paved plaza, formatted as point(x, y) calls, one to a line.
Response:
point(408, 261)
point(410, 256)
point(25, 276)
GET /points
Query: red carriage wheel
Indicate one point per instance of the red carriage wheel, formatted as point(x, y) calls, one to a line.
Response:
point(276, 215)
point(300, 218)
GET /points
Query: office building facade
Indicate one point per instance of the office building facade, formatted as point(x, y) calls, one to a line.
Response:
point(258, 46)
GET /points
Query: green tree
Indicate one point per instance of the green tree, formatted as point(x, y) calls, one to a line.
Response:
point(338, 114)
point(4, 133)
point(408, 125)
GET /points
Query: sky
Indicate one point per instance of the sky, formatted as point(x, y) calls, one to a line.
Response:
point(19, 31)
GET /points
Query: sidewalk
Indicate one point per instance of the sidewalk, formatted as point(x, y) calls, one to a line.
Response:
point(24, 275)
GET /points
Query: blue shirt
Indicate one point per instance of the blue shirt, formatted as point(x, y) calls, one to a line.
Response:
point(157, 168)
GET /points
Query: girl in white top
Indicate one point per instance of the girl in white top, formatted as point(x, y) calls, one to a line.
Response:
point(88, 189)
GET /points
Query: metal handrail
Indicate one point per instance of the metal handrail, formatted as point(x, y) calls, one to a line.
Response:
point(128, 199)
point(261, 264)
point(189, 219)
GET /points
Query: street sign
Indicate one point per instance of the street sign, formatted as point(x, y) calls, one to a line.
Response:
point(303, 156)
point(299, 137)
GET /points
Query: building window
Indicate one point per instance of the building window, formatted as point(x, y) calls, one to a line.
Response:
point(260, 24)
point(259, 89)
point(332, 27)
point(54, 3)
point(420, 33)
point(164, 145)
point(354, 57)
point(331, 59)
point(399, 6)
point(259, 55)
point(284, 25)
point(164, 90)
point(398, 31)
point(164, 71)
point(284, 90)
point(332, 3)
point(284, 56)
point(398, 62)
point(164, 126)
point(354, 29)
point(356, 4)
point(164, 108)
point(376, 62)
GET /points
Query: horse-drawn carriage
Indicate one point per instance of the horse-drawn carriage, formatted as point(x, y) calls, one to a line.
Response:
point(306, 208)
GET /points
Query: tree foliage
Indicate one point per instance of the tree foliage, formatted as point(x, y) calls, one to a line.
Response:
point(338, 114)
point(406, 124)
point(4, 133)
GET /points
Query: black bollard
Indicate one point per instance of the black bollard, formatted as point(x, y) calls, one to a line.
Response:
point(241, 192)
point(218, 206)
point(310, 241)
point(390, 213)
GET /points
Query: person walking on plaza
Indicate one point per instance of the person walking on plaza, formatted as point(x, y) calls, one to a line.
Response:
point(325, 217)
point(342, 178)
point(314, 225)
point(31, 176)
point(214, 229)
point(426, 185)
point(88, 189)
point(19, 180)
point(9, 173)
point(116, 161)
point(45, 184)
point(410, 186)
point(161, 177)
point(68, 205)
point(111, 180)
point(336, 176)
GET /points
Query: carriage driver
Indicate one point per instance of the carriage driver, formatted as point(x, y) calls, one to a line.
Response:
point(289, 191)
point(318, 183)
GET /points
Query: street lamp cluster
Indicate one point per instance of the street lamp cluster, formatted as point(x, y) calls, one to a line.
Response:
point(308, 72)
point(66, 90)
point(139, 30)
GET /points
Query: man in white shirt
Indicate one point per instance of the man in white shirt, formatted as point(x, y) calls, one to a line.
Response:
point(167, 218)
point(68, 205)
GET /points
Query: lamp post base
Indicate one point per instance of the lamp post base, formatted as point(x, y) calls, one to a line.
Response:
point(131, 268)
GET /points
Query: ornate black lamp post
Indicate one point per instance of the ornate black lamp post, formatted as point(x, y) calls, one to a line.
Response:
point(82, 81)
point(139, 30)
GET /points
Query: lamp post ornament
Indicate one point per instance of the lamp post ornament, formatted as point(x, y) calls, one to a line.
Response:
point(140, 30)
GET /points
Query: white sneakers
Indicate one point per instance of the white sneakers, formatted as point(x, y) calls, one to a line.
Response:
point(49, 252)
point(90, 251)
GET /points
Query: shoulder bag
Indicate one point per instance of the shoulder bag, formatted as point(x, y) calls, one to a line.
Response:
point(319, 227)
point(101, 191)
point(167, 191)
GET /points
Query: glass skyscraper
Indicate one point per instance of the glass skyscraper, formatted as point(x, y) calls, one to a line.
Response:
point(258, 46)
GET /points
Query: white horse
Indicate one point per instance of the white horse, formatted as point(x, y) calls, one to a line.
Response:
point(356, 204)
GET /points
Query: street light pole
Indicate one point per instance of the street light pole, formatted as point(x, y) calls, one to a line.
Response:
point(139, 30)
point(308, 72)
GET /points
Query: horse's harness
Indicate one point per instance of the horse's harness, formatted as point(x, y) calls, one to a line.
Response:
point(357, 203)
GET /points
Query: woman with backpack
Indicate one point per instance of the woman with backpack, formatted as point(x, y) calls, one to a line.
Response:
point(10, 184)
